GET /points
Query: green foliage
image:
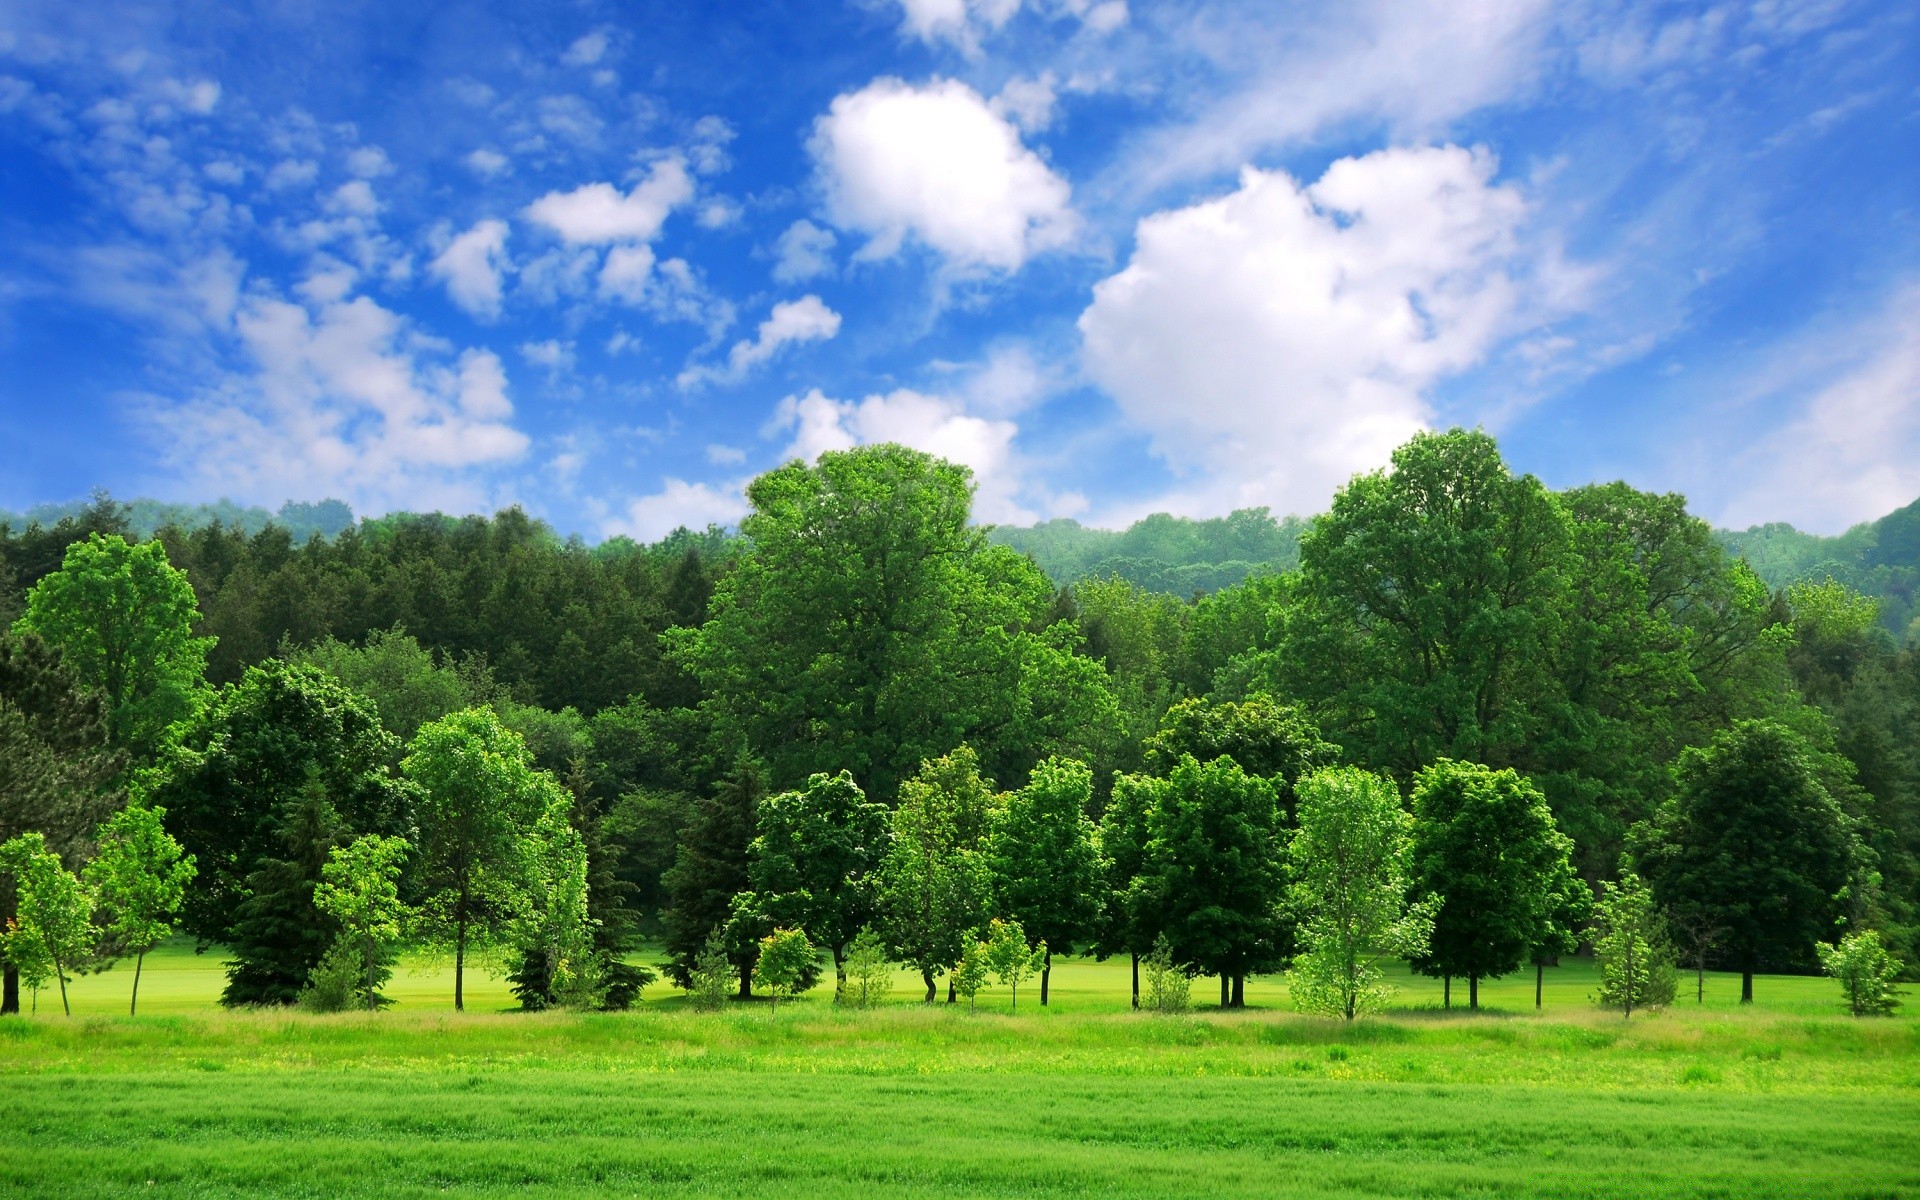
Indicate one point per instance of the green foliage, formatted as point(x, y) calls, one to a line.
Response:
point(711, 869)
point(1178, 556)
point(277, 936)
point(56, 770)
point(139, 877)
point(972, 972)
point(1865, 971)
point(53, 916)
point(480, 800)
point(360, 890)
point(1275, 741)
point(1168, 987)
point(710, 977)
point(1046, 866)
point(1140, 637)
point(816, 862)
point(1130, 917)
point(1754, 844)
point(1351, 870)
point(786, 963)
point(1485, 844)
point(338, 981)
point(407, 684)
point(549, 927)
point(868, 978)
point(1631, 949)
point(1010, 958)
point(122, 617)
point(937, 883)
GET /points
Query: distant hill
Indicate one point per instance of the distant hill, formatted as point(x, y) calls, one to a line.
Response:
point(1879, 558)
point(304, 521)
point(1163, 553)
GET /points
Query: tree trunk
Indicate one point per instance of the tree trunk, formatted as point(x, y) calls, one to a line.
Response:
point(10, 992)
point(1473, 993)
point(1746, 986)
point(139, 960)
point(839, 974)
point(952, 995)
point(1700, 983)
point(928, 976)
point(60, 973)
point(1539, 981)
point(1046, 976)
point(1446, 992)
point(746, 982)
point(1225, 995)
point(1135, 955)
point(459, 963)
point(1239, 991)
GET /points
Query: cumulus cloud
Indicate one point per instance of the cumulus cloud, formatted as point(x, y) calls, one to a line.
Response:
point(805, 250)
point(472, 266)
point(343, 399)
point(935, 424)
point(1275, 340)
point(626, 273)
point(679, 503)
point(598, 213)
point(937, 164)
point(586, 50)
point(807, 319)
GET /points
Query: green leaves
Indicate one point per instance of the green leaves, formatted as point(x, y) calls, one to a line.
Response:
point(140, 875)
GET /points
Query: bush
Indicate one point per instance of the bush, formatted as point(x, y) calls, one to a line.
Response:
point(712, 975)
point(1866, 973)
point(1168, 987)
point(869, 971)
point(337, 982)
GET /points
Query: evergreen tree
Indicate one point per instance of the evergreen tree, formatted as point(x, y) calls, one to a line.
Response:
point(711, 868)
point(276, 934)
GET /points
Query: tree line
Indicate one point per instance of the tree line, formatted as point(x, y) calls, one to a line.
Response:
point(1476, 710)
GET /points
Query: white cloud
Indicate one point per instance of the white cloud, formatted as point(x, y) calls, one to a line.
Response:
point(472, 266)
point(599, 213)
point(804, 320)
point(1275, 340)
point(726, 456)
point(291, 173)
point(553, 354)
point(805, 250)
point(369, 162)
point(1028, 103)
point(586, 50)
point(626, 273)
point(707, 149)
point(1851, 453)
point(936, 163)
point(354, 198)
point(488, 163)
point(963, 23)
point(933, 424)
point(678, 503)
point(342, 399)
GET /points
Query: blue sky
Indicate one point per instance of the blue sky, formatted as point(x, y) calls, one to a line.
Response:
point(609, 260)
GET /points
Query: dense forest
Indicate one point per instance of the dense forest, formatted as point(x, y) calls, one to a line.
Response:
point(864, 716)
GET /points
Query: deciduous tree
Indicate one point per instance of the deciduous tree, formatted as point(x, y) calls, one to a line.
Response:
point(139, 876)
point(937, 883)
point(360, 889)
point(816, 862)
point(1047, 871)
point(53, 920)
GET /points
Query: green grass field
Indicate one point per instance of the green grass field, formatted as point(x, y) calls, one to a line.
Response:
point(1789, 1098)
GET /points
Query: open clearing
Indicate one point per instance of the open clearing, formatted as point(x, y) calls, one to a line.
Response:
point(1786, 1099)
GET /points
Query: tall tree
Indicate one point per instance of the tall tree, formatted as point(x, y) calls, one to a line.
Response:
point(57, 773)
point(1484, 841)
point(276, 934)
point(1350, 861)
point(1755, 844)
point(1129, 922)
point(710, 869)
point(1046, 864)
point(139, 876)
point(815, 864)
point(479, 798)
point(937, 882)
point(123, 617)
point(1214, 871)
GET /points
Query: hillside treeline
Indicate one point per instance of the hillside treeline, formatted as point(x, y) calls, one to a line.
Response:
point(864, 700)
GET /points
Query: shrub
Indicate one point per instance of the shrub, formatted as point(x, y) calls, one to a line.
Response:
point(712, 975)
point(1866, 973)
point(1168, 987)
point(869, 971)
point(337, 982)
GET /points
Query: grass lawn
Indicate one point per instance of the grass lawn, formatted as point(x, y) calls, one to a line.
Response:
point(1789, 1098)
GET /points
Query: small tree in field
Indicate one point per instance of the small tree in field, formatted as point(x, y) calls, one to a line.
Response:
point(53, 912)
point(1866, 971)
point(787, 959)
point(869, 972)
point(971, 972)
point(360, 888)
point(1630, 945)
point(140, 877)
point(711, 978)
point(1350, 859)
point(1168, 987)
point(1011, 958)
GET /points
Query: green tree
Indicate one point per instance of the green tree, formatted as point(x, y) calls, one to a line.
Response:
point(1631, 949)
point(869, 972)
point(404, 680)
point(480, 798)
point(1129, 914)
point(937, 882)
point(1351, 867)
point(970, 974)
point(57, 773)
point(785, 964)
point(550, 928)
point(1755, 844)
point(1046, 864)
point(139, 875)
point(54, 919)
point(1484, 841)
point(1866, 971)
point(710, 976)
point(1169, 988)
point(360, 889)
point(1213, 871)
point(710, 868)
point(816, 863)
point(123, 617)
point(1275, 741)
point(1010, 957)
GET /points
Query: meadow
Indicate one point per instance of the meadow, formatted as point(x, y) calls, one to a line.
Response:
point(1787, 1098)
